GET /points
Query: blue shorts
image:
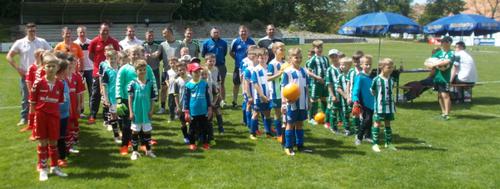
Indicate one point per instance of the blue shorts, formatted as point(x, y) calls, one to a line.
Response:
point(293, 116)
point(276, 103)
point(259, 107)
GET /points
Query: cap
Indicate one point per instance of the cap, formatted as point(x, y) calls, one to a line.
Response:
point(194, 67)
point(195, 60)
point(185, 58)
point(447, 39)
point(333, 52)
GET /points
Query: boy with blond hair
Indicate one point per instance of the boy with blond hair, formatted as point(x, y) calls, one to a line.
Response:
point(318, 65)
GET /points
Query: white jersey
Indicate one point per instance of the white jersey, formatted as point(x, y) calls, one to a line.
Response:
point(26, 50)
point(214, 76)
point(382, 92)
point(180, 87)
point(87, 63)
point(259, 76)
point(299, 77)
point(127, 43)
point(171, 81)
point(272, 68)
point(466, 67)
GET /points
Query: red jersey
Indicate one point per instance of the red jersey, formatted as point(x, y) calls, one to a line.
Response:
point(33, 74)
point(76, 87)
point(96, 47)
point(47, 98)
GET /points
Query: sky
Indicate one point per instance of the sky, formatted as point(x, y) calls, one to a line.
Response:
point(419, 1)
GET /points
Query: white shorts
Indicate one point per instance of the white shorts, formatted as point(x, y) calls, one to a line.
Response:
point(145, 127)
point(112, 108)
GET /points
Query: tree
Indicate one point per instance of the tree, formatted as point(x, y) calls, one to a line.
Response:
point(396, 6)
point(486, 7)
point(318, 15)
point(436, 9)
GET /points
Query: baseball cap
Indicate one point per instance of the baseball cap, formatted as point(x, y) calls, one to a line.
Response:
point(333, 52)
point(185, 58)
point(194, 67)
point(195, 60)
point(447, 39)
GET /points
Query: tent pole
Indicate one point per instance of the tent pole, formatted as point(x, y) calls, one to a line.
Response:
point(378, 57)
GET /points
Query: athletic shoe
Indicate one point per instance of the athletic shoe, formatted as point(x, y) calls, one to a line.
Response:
point(375, 148)
point(347, 132)
point(391, 147)
point(161, 111)
point(369, 140)
point(186, 141)
point(135, 155)
point(109, 127)
point(222, 104)
point(74, 150)
point(326, 125)
point(253, 137)
point(357, 142)
point(235, 104)
point(124, 150)
point(57, 171)
point(334, 131)
point(153, 142)
point(192, 147)
point(82, 115)
point(312, 122)
point(62, 163)
point(91, 120)
point(303, 149)
point(289, 151)
point(44, 175)
point(118, 140)
point(24, 129)
point(445, 117)
point(206, 146)
point(150, 154)
point(22, 122)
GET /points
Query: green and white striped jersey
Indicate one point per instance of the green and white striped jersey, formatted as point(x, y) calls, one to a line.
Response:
point(318, 65)
point(332, 74)
point(382, 92)
point(351, 75)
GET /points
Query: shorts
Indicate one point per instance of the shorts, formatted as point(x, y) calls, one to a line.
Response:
point(262, 106)
point(275, 103)
point(47, 126)
point(236, 77)
point(164, 78)
point(222, 72)
point(112, 108)
point(146, 127)
point(293, 116)
point(318, 90)
point(377, 117)
point(442, 87)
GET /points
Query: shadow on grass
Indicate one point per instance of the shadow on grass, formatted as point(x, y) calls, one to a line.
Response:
point(330, 148)
point(434, 105)
point(475, 116)
point(97, 176)
point(414, 144)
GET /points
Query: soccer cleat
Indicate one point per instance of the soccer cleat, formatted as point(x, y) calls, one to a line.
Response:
point(289, 151)
point(150, 154)
point(222, 103)
point(74, 150)
point(192, 147)
point(44, 175)
point(445, 117)
point(391, 147)
point(57, 171)
point(124, 150)
point(82, 115)
point(253, 137)
point(186, 141)
point(369, 140)
point(303, 149)
point(357, 142)
point(109, 127)
point(153, 142)
point(118, 140)
point(327, 125)
point(62, 163)
point(376, 148)
point(161, 111)
point(206, 146)
point(24, 129)
point(91, 120)
point(22, 122)
point(135, 155)
point(312, 122)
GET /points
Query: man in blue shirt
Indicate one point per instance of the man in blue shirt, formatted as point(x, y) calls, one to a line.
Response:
point(218, 47)
point(238, 51)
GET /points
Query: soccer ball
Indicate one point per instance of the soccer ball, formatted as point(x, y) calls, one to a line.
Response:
point(291, 92)
point(431, 62)
point(319, 118)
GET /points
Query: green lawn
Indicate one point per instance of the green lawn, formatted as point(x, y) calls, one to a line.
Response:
point(461, 153)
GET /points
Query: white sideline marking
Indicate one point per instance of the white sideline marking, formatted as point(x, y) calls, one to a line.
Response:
point(487, 82)
point(9, 107)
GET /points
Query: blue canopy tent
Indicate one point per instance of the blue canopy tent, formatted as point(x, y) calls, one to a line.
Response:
point(378, 24)
point(463, 24)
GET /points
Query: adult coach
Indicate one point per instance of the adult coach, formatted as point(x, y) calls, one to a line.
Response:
point(238, 51)
point(169, 48)
point(68, 46)
point(96, 54)
point(267, 41)
point(130, 38)
point(192, 45)
point(218, 47)
point(84, 42)
point(25, 47)
point(463, 72)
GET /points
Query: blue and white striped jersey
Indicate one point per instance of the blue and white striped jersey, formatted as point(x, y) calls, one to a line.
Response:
point(299, 77)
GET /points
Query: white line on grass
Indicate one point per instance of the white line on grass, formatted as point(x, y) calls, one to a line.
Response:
point(9, 107)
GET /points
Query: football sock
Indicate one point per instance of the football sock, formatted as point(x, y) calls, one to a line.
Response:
point(388, 135)
point(254, 126)
point(289, 138)
point(54, 155)
point(147, 139)
point(299, 134)
point(267, 126)
point(135, 141)
point(219, 123)
point(277, 127)
point(43, 153)
point(375, 131)
point(184, 131)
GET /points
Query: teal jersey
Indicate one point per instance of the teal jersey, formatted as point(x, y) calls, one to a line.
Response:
point(382, 92)
point(351, 76)
point(109, 82)
point(127, 74)
point(318, 65)
point(141, 95)
point(444, 76)
point(102, 67)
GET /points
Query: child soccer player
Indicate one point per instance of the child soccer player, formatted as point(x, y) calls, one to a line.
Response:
point(246, 75)
point(384, 108)
point(216, 80)
point(295, 111)
point(141, 95)
point(342, 86)
point(442, 75)
point(169, 82)
point(197, 107)
point(45, 96)
point(363, 99)
point(35, 71)
point(318, 65)
point(65, 113)
point(351, 76)
point(332, 74)
point(102, 68)
point(76, 89)
point(109, 83)
point(179, 89)
point(261, 95)
point(213, 93)
point(274, 71)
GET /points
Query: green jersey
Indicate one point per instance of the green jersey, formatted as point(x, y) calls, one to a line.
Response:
point(109, 82)
point(382, 92)
point(318, 65)
point(127, 74)
point(351, 75)
point(444, 76)
point(141, 95)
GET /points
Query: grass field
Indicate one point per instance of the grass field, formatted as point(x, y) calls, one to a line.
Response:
point(461, 153)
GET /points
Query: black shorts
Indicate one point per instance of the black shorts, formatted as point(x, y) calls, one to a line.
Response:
point(163, 78)
point(222, 71)
point(236, 77)
point(442, 87)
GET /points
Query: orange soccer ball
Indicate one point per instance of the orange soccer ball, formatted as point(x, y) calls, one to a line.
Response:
point(320, 118)
point(291, 92)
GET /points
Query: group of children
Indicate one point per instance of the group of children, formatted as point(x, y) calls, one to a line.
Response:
point(350, 97)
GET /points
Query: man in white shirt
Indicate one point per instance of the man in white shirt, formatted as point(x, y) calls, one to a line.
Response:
point(25, 47)
point(130, 39)
point(464, 73)
point(88, 66)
